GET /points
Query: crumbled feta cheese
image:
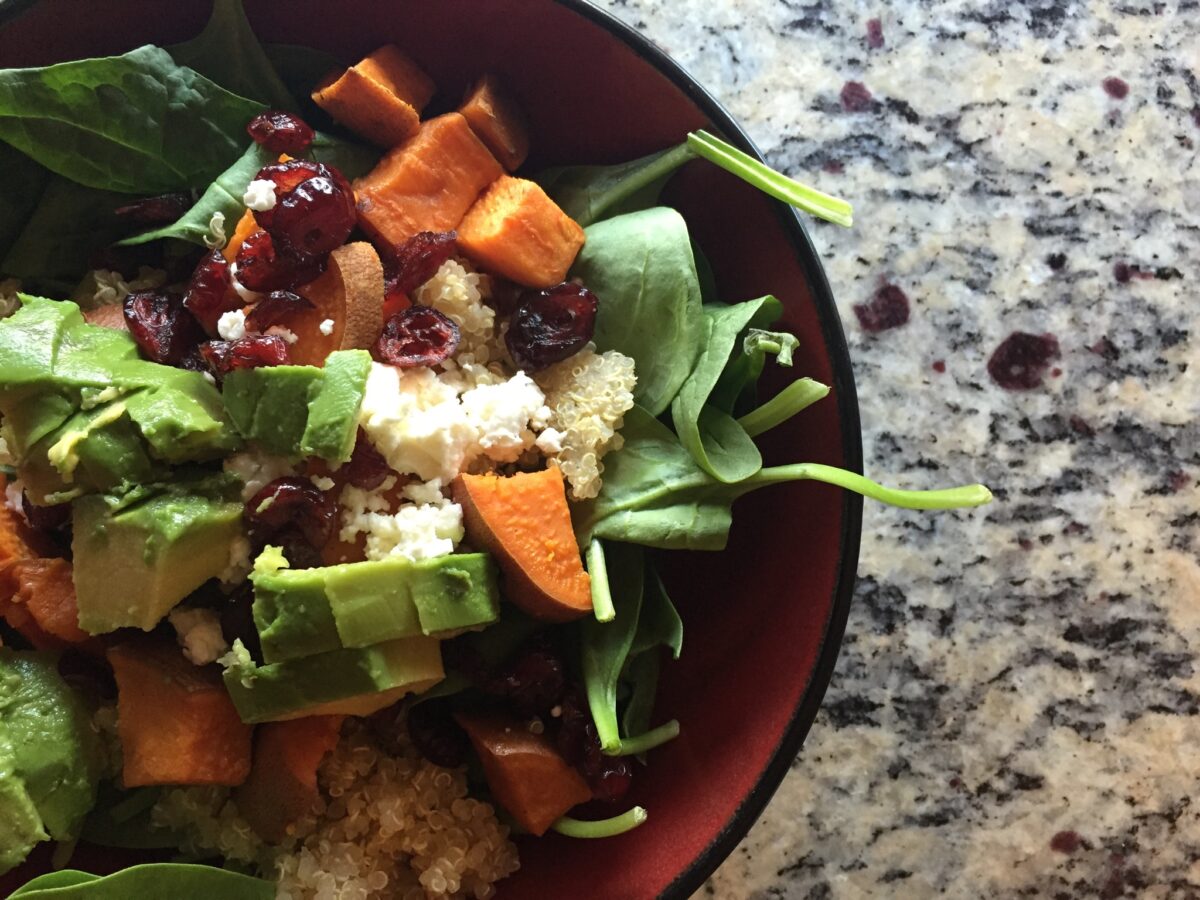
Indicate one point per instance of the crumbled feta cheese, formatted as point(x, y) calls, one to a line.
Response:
point(424, 492)
point(326, 327)
point(239, 562)
point(199, 634)
point(500, 414)
point(323, 483)
point(588, 394)
point(428, 526)
point(550, 441)
point(248, 296)
point(14, 491)
point(232, 325)
point(286, 333)
point(260, 195)
point(216, 237)
point(456, 292)
point(9, 288)
point(256, 470)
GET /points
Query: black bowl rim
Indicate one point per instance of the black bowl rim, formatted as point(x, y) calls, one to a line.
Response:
point(752, 806)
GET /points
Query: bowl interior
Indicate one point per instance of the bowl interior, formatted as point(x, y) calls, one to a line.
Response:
point(764, 618)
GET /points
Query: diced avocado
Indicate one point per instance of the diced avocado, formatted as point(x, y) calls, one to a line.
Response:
point(299, 612)
point(341, 682)
point(49, 755)
point(139, 553)
point(301, 411)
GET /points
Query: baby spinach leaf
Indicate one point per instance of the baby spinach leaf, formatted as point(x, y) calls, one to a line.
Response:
point(597, 568)
point(659, 625)
point(121, 818)
point(179, 881)
point(228, 52)
point(302, 69)
point(641, 674)
point(22, 182)
point(640, 266)
point(590, 193)
point(796, 397)
point(601, 828)
point(737, 382)
point(718, 444)
point(136, 123)
point(604, 646)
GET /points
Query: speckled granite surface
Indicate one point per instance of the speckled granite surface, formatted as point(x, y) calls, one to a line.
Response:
point(1016, 711)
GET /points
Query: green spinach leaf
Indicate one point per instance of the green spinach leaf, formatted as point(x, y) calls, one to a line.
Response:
point(22, 182)
point(659, 626)
point(121, 818)
point(796, 397)
point(736, 384)
point(136, 123)
point(590, 193)
point(228, 52)
point(640, 266)
point(179, 881)
point(302, 69)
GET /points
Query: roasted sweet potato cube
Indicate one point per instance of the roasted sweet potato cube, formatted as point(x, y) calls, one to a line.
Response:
point(175, 720)
point(379, 98)
point(515, 230)
point(498, 121)
point(427, 183)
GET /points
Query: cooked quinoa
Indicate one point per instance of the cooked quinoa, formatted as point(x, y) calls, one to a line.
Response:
point(386, 825)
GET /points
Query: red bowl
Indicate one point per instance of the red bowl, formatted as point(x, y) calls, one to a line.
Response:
point(764, 619)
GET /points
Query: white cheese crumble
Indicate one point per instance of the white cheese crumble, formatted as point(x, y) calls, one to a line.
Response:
point(199, 634)
point(323, 482)
point(550, 441)
point(326, 327)
point(426, 526)
point(260, 195)
point(216, 236)
point(13, 493)
point(255, 470)
point(240, 562)
point(501, 414)
point(232, 325)
point(286, 333)
point(240, 289)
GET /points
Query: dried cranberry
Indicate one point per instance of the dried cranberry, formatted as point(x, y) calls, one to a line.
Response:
point(45, 518)
point(285, 176)
point(532, 683)
point(437, 736)
point(504, 296)
point(277, 308)
point(314, 208)
point(261, 269)
point(162, 326)
point(417, 260)
point(287, 503)
point(222, 357)
point(609, 777)
point(208, 294)
point(367, 469)
point(281, 132)
point(155, 210)
point(1021, 361)
point(417, 336)
point(551, 325)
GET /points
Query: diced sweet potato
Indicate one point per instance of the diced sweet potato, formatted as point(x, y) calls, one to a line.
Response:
point(246, 226)
point(111, 315)
point(427, 183)
point(282, 785)
point(14, 533)
point(175, 720)
point(38, 600)
point(498, 122)
point(380, 98)
point(350, 294)
point(517, 231)
point(524, 522)
point(524, 771)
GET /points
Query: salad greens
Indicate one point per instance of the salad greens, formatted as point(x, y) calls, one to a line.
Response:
point(601, 828)
point(179, 881)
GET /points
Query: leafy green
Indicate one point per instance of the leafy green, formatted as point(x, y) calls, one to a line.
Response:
point(302, 69)
point(597, 567)
point(659, 625)
point(797, 396)
point(640, 265)
point(136, 123)
point(179, 881)
point(228, 52)
point(736, 386)
point(22, 182)
point(590, 193)
point(121, 818)
point(601, 828)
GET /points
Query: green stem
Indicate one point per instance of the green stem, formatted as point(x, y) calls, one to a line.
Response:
point(602, 603)
point(946, 498)
point(655, 737)
point(797, 396)
point(603, 828)
point(767, 180)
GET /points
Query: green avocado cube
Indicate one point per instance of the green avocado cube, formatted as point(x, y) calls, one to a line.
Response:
point(138, 554)
point(355, 682)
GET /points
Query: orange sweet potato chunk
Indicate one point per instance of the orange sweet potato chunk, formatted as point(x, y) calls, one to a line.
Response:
point(427, 183)
point(175, 720)
point(517, 231)
point(524, 522)
point(39, 601)
point(13, 531)
point(525, 773)
point(380, 98)
point(498, 121)
point(245, 227)
point(350, 294)
point(282, 785)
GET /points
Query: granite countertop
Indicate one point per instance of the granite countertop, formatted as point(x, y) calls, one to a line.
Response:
point(1016, 710)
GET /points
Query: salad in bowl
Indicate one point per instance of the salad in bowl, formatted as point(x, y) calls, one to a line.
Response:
point(339, 448)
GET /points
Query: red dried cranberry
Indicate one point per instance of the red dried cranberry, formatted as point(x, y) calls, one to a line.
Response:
point(285, 176)
point(277, 308)
point(261, 269)
point(417, 260)
point(504, 296)
point(162, 326)
point(551, 325)
point(45, 518)
point(155, 210)
point(208, 294)
point(609, 777)
point(222, 357)
point(1021, 361)
point(532, 683)
point(437, 737)
point(417, 336)
point(367, 469)
point(281, 132)
point(314, 208)
point(287, 503)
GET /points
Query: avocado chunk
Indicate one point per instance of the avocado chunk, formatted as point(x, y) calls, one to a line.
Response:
point(301, 411)
point(139, 553)
point(299, 612)
point(50, 757)
point(84, 413)
point(352, 682)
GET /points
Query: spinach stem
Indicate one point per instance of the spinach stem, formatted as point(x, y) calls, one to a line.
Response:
point(603, 828)
point(946, 498)
point(767, 180)
point(655, 737)
point(602, 602)
point(797, 396)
